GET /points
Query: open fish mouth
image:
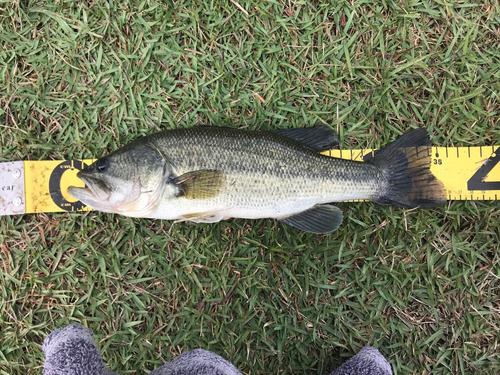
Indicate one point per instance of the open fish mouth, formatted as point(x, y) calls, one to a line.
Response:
point(95, 190)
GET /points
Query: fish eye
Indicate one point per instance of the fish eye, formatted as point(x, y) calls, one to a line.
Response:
point(102, 164)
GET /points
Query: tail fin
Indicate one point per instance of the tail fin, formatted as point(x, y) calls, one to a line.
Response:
point(405, 164)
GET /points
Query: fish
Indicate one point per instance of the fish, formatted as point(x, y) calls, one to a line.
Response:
point(206, 174)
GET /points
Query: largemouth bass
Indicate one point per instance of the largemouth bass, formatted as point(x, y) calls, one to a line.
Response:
point(208, 174)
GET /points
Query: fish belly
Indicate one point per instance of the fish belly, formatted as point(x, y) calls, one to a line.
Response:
point(263, 196)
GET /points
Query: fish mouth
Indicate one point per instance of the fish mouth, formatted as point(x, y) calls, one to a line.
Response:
point(95, 190)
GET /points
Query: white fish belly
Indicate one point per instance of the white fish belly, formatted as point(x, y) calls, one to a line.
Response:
point(256, 198)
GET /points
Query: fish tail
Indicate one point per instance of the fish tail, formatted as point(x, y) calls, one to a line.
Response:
point(405, 164)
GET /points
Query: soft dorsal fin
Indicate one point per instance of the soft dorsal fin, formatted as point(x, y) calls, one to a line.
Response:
point(319, 219)
point(203, 184)
point(318, 138)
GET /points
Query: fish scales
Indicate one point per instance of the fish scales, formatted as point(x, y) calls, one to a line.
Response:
point(264, 171)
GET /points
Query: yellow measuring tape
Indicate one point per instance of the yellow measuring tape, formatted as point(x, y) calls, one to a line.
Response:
point(468, 173)
point(47, 182)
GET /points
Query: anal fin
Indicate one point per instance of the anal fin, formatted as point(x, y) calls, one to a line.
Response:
point(319, 219)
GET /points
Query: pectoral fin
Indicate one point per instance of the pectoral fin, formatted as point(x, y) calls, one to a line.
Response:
point(203, 184)
point(320, 219)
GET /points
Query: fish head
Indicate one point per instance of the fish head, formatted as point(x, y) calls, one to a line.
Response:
point(129, 181)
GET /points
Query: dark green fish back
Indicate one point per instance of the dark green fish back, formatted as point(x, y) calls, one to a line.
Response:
point(235, 149)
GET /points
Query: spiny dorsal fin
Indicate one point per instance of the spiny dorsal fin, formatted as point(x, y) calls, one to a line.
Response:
point(203, 184)
point(318, 138)
point(319, 219)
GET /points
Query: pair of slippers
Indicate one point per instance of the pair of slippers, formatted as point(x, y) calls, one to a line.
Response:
point(71, 351)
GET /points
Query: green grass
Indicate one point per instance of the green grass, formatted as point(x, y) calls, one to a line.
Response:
point(79, 79)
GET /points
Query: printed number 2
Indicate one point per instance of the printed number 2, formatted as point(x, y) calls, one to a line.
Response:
point(476, 182)
point(438, 161)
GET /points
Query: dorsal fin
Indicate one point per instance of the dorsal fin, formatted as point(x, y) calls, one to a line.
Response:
point(318, 138)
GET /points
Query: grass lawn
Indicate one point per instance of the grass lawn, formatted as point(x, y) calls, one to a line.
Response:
point(79, 79)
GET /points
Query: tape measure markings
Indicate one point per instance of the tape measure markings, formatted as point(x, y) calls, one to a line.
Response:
point(468, 173)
